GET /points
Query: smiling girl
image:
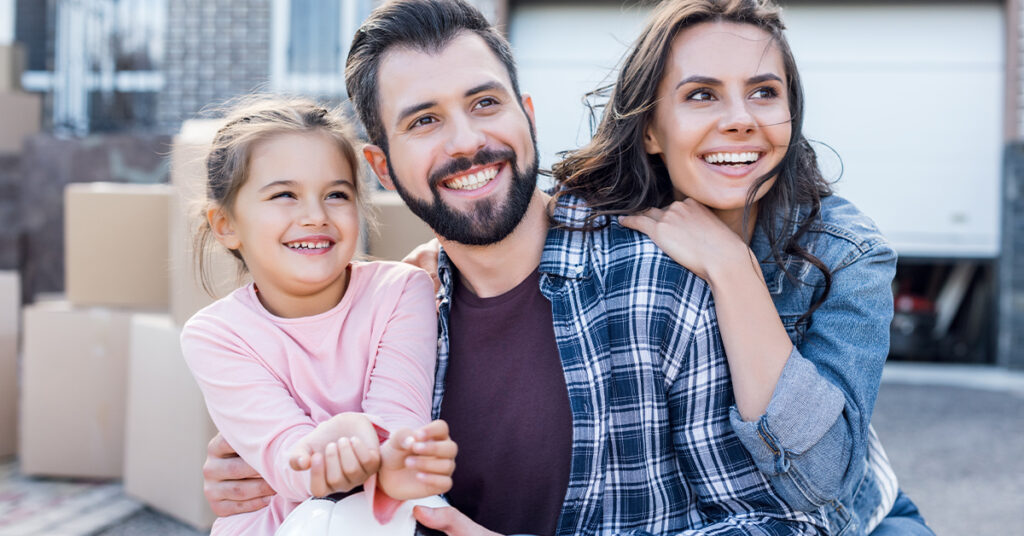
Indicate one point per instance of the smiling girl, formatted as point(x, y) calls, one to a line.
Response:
point(701, 147)
point(320, 372)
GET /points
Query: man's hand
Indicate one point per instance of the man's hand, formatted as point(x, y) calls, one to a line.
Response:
point(230, 485)
point(449, 521)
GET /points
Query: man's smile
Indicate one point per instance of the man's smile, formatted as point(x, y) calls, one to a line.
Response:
point(474, 178)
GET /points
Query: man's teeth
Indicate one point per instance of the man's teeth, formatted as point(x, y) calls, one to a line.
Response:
point(309, 245)
point(473, 181)
point(731, 158)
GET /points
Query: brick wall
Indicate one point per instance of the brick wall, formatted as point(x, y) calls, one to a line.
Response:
point(216, 49)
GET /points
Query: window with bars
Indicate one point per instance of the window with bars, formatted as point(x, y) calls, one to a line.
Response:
point(309, 43)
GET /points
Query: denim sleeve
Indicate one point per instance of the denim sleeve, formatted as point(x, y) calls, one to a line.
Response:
point(812, 440)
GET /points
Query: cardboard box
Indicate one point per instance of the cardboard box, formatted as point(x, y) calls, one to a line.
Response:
point(115, 244)
point(73, 378)
point(398, 229)
point(188, 176)
point(10, 305)
point(12, 64)
point(21, 113)
point(167, 426)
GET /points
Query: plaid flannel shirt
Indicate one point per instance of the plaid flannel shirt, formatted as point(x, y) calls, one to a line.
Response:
point(653, 451)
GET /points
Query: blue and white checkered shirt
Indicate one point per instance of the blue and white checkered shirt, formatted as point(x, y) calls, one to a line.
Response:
point(653, 451)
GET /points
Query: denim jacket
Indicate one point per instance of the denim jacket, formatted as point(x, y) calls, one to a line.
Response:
point(815, 441)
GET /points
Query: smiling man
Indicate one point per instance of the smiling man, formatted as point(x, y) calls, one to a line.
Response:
point(581, 373)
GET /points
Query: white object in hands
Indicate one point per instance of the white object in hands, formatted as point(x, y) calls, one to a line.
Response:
point(351, 516)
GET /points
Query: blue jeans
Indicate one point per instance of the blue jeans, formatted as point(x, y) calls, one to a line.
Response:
point(903, 520)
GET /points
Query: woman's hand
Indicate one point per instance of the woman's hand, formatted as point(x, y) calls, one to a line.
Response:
point(425, 256)
point(692, 235)
point(418, 464)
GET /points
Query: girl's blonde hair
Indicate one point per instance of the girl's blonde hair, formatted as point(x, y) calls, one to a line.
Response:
point(250, 120)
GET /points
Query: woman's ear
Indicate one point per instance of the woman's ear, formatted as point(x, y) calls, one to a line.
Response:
point(223, 228)
point(378, 161)
point(651, 144)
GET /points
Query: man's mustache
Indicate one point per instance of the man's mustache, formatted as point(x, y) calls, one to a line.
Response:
point(461, 164)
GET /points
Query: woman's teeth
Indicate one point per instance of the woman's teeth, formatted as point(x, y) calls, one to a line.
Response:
point(309, 245)
point(472, 181)
point(732, 158)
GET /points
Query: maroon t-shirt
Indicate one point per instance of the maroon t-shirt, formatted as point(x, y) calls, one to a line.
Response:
point(507, 407)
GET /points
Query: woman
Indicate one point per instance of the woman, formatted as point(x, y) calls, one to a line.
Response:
point(701, 147)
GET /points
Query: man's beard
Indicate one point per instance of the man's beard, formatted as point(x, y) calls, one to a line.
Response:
point(490, 220)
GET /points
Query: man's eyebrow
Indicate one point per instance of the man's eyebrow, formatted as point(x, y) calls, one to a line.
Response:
point(486, 86)
point(414, 109)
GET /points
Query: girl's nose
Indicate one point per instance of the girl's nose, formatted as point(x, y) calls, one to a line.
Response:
point(313, 214)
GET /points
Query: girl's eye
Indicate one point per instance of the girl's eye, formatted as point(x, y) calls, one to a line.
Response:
point(338, 195)
point(700, 95)
point(485, 102)
point(764, 93)
point(283, 195)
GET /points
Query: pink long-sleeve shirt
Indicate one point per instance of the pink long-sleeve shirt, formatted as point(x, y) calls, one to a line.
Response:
point(268, 381)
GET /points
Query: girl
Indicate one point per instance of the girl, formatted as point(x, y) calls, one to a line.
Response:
point(701, 146)
point(320, 372)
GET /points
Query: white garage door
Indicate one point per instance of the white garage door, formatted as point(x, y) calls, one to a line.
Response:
point(909, 95)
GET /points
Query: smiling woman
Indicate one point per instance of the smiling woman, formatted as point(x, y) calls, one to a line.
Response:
point(701, 148)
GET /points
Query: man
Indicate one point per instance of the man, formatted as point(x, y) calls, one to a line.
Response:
point(581, 373)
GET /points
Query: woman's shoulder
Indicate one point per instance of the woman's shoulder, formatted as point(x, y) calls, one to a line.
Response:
point(843, 232)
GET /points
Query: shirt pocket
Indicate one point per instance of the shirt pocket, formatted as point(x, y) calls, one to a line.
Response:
point(795, 327)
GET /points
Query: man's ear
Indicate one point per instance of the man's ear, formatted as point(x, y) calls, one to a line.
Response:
point(651, 144)
point(223, 229)
point(379, 164)
point(527, 101)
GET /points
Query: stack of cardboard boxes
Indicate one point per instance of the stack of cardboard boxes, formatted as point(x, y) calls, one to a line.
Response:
point(105, 389)
point(105, 392)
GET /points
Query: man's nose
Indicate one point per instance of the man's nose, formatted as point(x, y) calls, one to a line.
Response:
point(465, 137)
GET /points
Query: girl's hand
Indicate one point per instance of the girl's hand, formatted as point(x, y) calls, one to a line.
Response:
point(692, 235)
point(341, 453)
point(418, 464)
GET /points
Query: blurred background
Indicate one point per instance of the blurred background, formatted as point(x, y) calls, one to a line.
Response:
point(916, 109)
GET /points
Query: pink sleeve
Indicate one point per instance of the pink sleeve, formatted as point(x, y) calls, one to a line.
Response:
point(401, 380)
point(249, 404)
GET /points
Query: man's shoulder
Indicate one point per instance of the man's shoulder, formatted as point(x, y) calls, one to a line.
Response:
point(617, 255)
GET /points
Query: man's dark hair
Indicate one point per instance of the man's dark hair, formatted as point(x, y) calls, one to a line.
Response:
point(427, 25)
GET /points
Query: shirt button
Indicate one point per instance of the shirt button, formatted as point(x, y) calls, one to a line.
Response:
point(440, 341)
point(578, 269)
